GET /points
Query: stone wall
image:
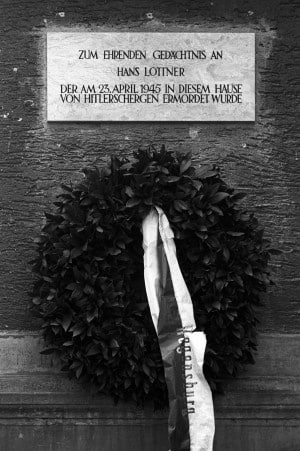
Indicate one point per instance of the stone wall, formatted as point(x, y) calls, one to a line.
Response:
point(41, 409)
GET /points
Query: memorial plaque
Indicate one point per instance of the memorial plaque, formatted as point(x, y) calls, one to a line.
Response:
point(150, 76)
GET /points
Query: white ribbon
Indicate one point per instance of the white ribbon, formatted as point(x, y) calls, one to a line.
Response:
point(156, 257)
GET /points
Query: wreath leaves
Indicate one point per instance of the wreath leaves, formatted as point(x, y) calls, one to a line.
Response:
point(90, 294)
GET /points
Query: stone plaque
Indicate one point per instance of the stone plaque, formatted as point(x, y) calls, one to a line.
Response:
point(150, 76)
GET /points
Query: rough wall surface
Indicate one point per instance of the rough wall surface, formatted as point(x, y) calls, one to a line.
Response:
point(258, 158)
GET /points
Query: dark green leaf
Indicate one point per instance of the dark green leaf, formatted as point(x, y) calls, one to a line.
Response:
point(218, 197)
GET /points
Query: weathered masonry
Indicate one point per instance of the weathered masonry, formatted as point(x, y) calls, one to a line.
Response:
point(39, 407)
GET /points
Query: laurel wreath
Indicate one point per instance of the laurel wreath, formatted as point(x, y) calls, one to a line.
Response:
point(89, 291)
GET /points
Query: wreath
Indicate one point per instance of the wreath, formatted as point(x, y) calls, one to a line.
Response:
point(90, 293)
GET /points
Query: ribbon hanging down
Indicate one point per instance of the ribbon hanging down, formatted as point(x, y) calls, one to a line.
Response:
point(191, 416)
